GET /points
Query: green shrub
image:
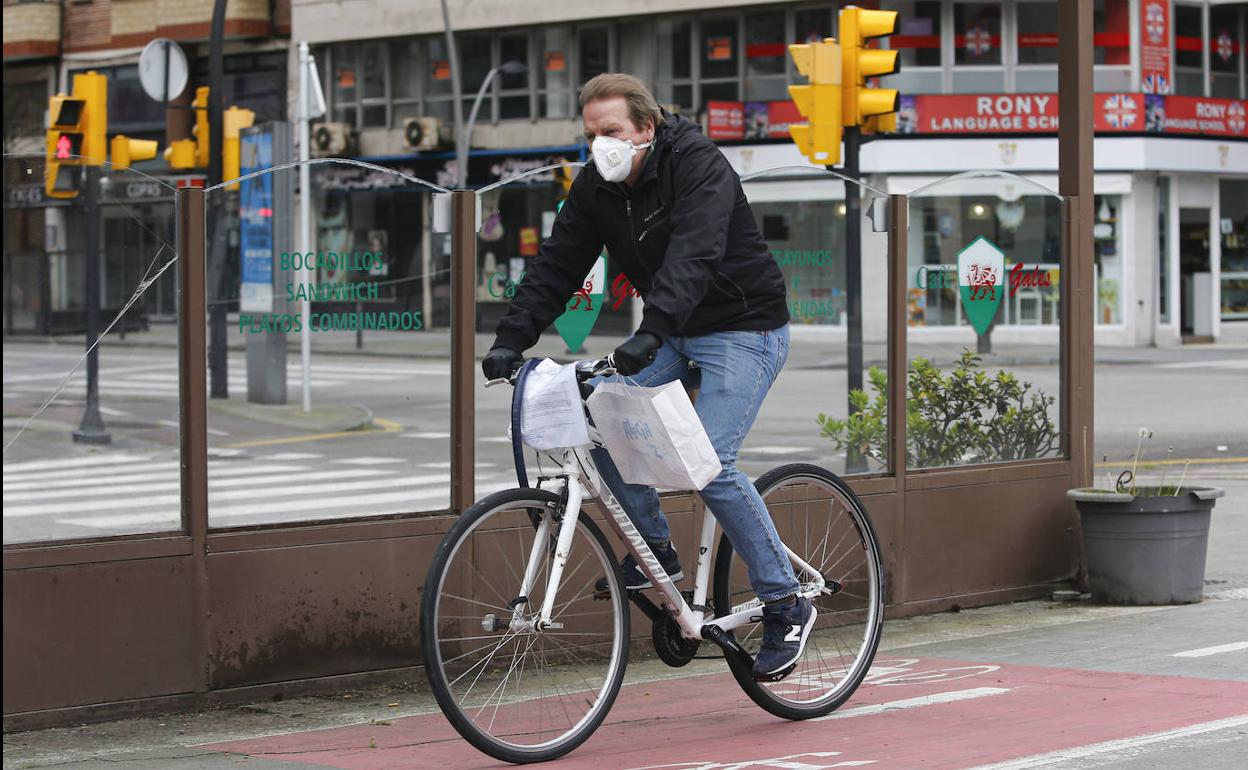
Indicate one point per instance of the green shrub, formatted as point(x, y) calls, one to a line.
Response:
point(964, 417)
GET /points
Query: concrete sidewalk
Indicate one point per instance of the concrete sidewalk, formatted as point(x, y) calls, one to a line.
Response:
point(810, 350)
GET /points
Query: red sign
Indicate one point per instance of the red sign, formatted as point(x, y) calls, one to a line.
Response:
point(528, 241)
point(441, 69)
point(1155, 47)
point(719, 49)
point(1038, 114)
point(556, 61)
point(725, 120)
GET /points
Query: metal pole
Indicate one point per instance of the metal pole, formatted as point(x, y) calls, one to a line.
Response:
point(91, 430)
point(193, 412)
point(854, 461)
point(463, 346)
point(217, 353)
point(461, 148)
point(305, 225)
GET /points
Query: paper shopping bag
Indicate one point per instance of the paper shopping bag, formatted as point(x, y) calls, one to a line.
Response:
point(654, 435)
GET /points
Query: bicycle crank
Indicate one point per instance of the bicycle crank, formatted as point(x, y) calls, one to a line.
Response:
point(672, 648)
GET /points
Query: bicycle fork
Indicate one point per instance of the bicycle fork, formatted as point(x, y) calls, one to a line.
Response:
point(563, 545)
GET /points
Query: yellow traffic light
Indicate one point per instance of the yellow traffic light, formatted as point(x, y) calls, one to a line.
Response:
point(63, 157)
point(127, 150)
point(180, 154)
point(857, 26)
point(233, 121)
point(92, 89)
point(819, 139)
point(565, 177)
point(201, 132)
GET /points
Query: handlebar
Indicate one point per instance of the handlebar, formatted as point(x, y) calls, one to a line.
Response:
point(585, 370)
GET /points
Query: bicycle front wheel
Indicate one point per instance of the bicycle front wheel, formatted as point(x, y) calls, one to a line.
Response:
point(514, 690)
point(821, 520)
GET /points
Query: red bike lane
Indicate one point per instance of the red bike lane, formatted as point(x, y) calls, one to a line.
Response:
point(910, 713)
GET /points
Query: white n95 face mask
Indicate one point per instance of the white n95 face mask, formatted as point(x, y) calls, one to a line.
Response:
point(614, 157)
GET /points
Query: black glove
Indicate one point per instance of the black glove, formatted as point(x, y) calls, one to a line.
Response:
point(500, 363)
point(637, 353)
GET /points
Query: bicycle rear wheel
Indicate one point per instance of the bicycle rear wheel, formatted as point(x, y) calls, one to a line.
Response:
point(518, 693)
point(822, 521)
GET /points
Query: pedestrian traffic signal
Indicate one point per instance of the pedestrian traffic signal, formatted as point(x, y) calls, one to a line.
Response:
point(819, 139)
point(201, 132)
point(859, 103)
point(126, 151)
point(76, 134)
point(233, 121)
point(64, 161)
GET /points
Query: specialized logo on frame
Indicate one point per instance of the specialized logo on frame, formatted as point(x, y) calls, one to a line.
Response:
point(981, 281)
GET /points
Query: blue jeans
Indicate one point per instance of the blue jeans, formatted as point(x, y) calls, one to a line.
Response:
point(734, 371)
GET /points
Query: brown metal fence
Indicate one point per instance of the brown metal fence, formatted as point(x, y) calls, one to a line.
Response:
point(133, 623)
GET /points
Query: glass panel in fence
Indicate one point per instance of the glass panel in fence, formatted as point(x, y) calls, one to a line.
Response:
point(90, 448)
point(809, 415)
point(985, 264)
point(800, 218)
point(328, 361)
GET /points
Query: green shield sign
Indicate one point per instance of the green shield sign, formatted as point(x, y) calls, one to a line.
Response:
point(582, 310)
point(981, 281)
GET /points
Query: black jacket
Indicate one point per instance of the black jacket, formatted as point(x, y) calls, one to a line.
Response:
point(684, 235)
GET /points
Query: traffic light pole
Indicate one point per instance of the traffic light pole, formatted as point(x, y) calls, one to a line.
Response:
point(854, 460)
point(91, 430)
point(217, 269)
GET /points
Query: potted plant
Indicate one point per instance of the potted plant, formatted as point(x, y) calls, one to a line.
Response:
point(1146, 544)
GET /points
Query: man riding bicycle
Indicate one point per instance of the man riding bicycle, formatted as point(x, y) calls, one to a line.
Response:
point(670, 210)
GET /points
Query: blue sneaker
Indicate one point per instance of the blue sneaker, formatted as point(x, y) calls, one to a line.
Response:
point(785, 631)
point(632, 575)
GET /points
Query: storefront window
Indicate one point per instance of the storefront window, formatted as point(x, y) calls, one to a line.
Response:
point(1023, 226)
point(1107, 239)
point(344, 92)
point(595, 52)
point(1225, 50)
point(1189, 73)
point(977, 44)
point(476, 54)
point(513, 100)
point(1234, 230)
point(720, 62)
point(554, 79)
point(673, 80)
point(806, 239)
point(1163, 250)
point(765, 56)
point(919, 41)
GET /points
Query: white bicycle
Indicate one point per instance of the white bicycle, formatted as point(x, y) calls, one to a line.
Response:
point(526, 656)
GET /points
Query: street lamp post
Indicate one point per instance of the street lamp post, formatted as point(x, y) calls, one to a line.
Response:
point(465, 140)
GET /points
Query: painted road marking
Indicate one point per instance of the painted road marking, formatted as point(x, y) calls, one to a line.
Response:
point(908, 703)
point(1066, 755)
point(790, 762)
point(775, 450)
point(1204, 651)
point(1230, 363)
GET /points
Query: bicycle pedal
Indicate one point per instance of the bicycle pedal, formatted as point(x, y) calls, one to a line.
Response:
point(602, 596)
point(775, 677)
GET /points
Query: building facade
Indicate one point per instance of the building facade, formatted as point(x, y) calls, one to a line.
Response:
point(979, 82)
point(47, 42)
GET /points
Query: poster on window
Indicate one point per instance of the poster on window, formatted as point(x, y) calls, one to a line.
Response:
point(1155, 62)
point(719, 48)
point(725, 120)
point(555, 61)
point(441, 69)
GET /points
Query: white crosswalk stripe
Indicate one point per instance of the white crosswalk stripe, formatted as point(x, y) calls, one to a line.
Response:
point(161, 378)
point(1227, 363)
point(129, 491)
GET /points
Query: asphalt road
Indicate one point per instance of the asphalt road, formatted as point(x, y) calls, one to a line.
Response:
point(378, 439)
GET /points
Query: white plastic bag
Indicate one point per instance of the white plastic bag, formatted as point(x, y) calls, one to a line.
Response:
point(654, 435)
point(552, 416)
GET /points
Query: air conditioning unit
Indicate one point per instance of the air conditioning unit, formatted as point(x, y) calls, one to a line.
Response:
point(423, 133)
point(331, 140)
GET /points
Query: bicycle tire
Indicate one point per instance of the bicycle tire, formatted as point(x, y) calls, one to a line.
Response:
point(765, 694)
point(436, 673)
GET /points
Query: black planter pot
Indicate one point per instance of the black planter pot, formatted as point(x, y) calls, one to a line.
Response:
point(1146, 550)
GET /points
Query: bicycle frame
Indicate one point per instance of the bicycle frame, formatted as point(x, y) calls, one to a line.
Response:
point(578, 467)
